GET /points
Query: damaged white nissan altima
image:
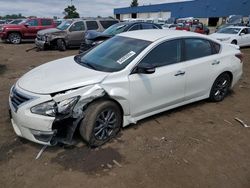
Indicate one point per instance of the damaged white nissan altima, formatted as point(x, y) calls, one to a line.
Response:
point(127, 78)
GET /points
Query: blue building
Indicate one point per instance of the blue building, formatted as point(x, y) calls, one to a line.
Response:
point(209, 11)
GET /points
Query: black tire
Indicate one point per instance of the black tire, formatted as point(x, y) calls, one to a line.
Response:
point(234, 42)
point(61, 45)
point(220, 88)
point(15, 38)
point(102, 122)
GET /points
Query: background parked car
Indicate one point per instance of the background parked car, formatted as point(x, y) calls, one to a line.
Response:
point(235, 35)
point(232, 20)
point(2, 22)
point(14, 33)
point(93, 38)
point(70, 33)
point(197, 27)
point(169, 26)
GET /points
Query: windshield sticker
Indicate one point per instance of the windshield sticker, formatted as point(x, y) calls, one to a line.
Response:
point(126, 57)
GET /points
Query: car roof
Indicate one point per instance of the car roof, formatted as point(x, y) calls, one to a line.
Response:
point(156, 34)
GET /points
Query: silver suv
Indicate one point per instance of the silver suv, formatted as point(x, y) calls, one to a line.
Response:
point(70, 33)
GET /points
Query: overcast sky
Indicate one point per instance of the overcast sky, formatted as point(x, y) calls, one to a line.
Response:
point(49, 8)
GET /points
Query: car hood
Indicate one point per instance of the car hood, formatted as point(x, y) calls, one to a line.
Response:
point(49, 31)
point(59, 75)
point(221, 35)
point(13, 25)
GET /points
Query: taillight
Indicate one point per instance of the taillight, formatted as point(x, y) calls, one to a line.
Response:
point(240, 56)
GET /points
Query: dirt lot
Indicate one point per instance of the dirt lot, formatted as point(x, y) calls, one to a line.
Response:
point(199, 145)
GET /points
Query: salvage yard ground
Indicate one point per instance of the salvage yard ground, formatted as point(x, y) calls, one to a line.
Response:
point(198, 145)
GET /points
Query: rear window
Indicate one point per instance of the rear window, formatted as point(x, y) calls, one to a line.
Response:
point(46, 22)
point(107, 23)
point(216, 47)
point(197, 48)
point(92, 25)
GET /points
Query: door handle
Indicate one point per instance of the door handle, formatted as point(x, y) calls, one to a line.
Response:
point(180, 73)
point(216, 62)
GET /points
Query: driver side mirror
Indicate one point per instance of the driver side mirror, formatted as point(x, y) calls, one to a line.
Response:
point(26, 25)
point(242, 34)
point(144, 68)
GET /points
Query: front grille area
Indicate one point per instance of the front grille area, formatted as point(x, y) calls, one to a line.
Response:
point(17, 98)
point(39, 37)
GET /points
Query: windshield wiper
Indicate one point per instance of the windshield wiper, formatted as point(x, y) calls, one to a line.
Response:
point(89, 65)
point(77, 59)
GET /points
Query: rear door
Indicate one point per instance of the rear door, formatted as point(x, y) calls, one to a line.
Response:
point(202, 63)
point(93, 25)
point(76, 33)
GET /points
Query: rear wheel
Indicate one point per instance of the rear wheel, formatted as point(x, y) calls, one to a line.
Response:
point(220, 88)
point(102, 122)
point(15, 38)
point(61, 45)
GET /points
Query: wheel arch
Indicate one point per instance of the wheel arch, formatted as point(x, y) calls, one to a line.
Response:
point(107, 97)
point(13, 31)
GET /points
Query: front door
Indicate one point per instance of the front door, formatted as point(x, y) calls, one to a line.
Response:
point(165, 87)
point(76, 33)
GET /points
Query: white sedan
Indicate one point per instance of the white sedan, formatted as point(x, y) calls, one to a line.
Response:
point(121, 81)
point(237, 35)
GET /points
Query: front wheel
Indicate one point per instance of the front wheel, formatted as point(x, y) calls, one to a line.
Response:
point(61, 45)
point(220, 88)
point(102, 122)
point(15, 38)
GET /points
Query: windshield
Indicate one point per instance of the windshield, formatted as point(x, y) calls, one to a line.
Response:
point(115, 29)
point(17, 22)
point(228, 30)
point(112, 55)
point(64, 25)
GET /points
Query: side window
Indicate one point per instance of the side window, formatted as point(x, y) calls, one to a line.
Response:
point(107, 23)
point(197, 48)
point(77, 26)
point(92, 25)
point(46, 22)
point(166, 53)
point(32, 22)
point(147, 26)
point(244, 31)
point(135, 27)
point(248, 29)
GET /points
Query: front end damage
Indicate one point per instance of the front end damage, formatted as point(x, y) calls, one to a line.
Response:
point(48, 40)
point(65, 125)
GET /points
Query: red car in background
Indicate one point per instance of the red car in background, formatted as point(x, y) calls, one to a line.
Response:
point(27, 29)
point(196, 27)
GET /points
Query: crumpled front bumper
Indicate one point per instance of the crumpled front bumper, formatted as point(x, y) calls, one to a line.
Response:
point(40, 44)
point(35, 128)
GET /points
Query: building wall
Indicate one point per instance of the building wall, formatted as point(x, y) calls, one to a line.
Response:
point(196, 8)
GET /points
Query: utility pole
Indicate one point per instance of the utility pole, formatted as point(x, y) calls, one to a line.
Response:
point(71, 2)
